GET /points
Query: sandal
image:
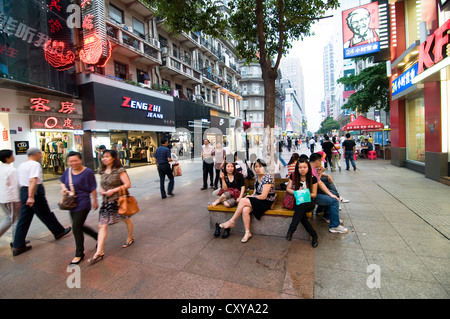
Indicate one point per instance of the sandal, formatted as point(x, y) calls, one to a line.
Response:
point(96, 258)
point(228, 224)
point(128, 243)
point(247, 236)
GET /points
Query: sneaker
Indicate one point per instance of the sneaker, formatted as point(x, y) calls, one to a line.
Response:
point(343, 200)
point(327, 220)
point(340, 229)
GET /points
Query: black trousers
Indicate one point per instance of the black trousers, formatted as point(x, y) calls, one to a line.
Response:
point(43, 212)
point(216, 180)
point(300, 217)
point(163, 170)
point(78, 229)
point(208, 169)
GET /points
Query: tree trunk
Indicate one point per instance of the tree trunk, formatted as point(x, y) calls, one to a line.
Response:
point(269, 76)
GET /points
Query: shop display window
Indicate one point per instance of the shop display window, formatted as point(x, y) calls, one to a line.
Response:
point(55, 147)
point(415, 123)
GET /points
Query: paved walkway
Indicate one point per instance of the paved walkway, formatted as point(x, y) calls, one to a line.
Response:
point(399, 229)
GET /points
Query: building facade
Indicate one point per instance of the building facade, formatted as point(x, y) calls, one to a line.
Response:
point(420, 87)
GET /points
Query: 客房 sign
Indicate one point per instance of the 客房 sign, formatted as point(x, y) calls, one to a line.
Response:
point(434, 49)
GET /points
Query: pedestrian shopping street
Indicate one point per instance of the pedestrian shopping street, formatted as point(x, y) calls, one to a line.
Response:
point(399, 230)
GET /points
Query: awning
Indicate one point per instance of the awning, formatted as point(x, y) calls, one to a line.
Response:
point(362, 123)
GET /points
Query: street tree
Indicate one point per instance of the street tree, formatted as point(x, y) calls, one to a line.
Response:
point(263, 29)
point(371, 89)
point(328, 125)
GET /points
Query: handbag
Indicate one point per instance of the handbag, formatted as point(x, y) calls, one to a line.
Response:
point(176, 168)
point(288, 201)
point(128, 205)
point(302, 196)
point(69, 200)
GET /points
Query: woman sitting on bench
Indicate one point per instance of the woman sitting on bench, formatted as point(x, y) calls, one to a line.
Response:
point(302, 178)
point(258, 203)
point(232, 187)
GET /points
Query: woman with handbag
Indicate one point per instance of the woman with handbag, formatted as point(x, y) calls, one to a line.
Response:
point(335, 154)
point(257, 203)
point(114, 180)
point(79, 182)
point(302, 178)
point(231, 192)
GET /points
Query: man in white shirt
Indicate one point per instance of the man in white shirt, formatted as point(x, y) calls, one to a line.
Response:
point(208, 164)
point(9, 192)
point(33, 201)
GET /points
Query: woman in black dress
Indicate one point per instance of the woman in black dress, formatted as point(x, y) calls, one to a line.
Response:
point(258, 203)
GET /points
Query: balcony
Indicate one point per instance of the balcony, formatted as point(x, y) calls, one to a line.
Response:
point(179, 66)
point(208, 49)
point(133, 46)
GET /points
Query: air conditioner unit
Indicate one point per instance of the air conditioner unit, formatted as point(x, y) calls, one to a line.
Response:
point(155, 42)
point(164, 50)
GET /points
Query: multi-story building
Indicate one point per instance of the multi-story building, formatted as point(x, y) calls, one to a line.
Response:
point(153, 83)
point(294, 113)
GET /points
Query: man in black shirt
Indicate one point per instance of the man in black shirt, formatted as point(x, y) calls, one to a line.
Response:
point(327, 147)
point(349, 147)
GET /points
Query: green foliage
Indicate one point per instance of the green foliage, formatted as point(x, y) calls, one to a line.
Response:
point(328, 125)
point(371, 89)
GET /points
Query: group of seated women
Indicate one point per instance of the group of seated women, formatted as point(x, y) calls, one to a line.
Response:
point(232, 193)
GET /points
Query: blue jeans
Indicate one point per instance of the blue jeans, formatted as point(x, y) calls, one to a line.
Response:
point(349, 156)
point(331, 208)
point(281, 159)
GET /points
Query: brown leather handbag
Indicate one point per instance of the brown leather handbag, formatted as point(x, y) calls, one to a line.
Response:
point(69, 200)
point(128, 205)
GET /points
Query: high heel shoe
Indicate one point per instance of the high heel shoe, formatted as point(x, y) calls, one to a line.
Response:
point(77, 262)
point(226, 233)
point(246, 237)
point(96, 258)
point(128, 243)
point(217, 232)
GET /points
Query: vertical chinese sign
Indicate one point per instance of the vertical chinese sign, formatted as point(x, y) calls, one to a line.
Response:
point(36, 45)
point(96, 48)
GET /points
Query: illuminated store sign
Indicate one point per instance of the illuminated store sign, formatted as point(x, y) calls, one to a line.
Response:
point(434, 49)
point(96, 48)
point(154, 111)
point(405, 80)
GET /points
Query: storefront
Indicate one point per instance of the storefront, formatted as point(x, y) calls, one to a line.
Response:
point(51, 123)
point(220, 128)
point(192, 121)
point(131, 122)
point(420, 93)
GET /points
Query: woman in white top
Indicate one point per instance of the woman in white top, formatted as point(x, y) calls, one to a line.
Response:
point(9, 192)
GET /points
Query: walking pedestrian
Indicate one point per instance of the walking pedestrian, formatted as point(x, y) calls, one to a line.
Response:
point(335, 154)
point(208, 164)
point(9, 192)
point(349, 147)
point(302, 178)
point(163, 157)
point(327, 147)
point(219, 159)
point(312, 143)
point(84, 185)
point(113, 178)
point(33, 201)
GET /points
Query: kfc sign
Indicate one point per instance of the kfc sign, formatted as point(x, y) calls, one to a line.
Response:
point(434, 49)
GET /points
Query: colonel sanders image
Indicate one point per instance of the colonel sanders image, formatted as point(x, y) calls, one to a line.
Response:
point(358, 22)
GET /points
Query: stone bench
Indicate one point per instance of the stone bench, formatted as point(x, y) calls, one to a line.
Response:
point(274, 222)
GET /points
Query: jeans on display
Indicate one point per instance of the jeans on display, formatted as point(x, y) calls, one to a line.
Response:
point(331, 208)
